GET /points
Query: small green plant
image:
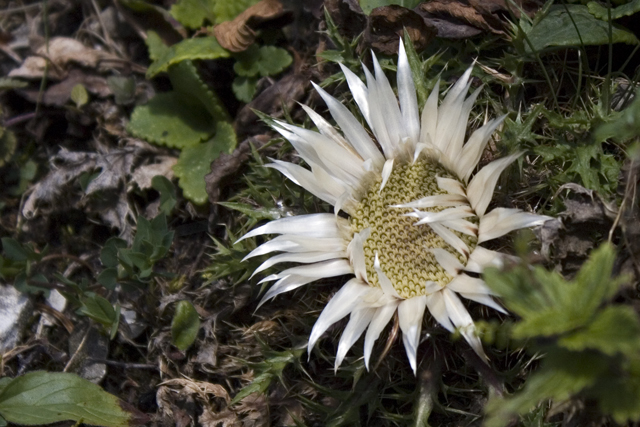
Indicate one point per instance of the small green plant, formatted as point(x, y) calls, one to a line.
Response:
point(133, 267)
point(591, 347)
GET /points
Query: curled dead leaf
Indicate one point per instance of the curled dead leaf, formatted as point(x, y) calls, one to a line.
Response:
point(387, 25)
point(457, 19)
point(239, 34)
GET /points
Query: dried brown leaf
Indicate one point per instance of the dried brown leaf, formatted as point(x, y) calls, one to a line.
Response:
point(281, 95)
point(143, 175)
point(227, 164)
point(200, 389)
point(461, 19)
point(60, 93)
point(387, 25)
point(239, 34)
point(224, 418)
point(347, 15)
point(61, 52)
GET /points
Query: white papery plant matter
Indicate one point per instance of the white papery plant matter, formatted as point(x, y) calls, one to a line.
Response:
point(410, 214)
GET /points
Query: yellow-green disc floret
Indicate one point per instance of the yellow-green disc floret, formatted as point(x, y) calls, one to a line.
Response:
point(402, 247)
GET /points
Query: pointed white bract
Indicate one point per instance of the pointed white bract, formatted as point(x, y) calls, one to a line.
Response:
point(344, 165)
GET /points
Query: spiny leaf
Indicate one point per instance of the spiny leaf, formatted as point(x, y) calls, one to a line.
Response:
point(195, 162)
point(614, 330)
point(563, 374)
point(46, 397)
point(573, 25)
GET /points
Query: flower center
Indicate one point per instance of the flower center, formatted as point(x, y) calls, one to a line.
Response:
point(402, 247)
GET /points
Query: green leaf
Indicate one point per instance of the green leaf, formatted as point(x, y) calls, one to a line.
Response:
point(573, 25)
point(601, 12)
point(79, 95)
point(8, 145)
point(168, 120)
point(225, 10)
point(185, 325)
point(157, 48)
point(244, 88)
point(614, 330)
point(189, 49)
point(192, 13)
point(9, 83)
point(253, 212)
point(45, 397)
point(14, 250)
point(263, 61)
point(168, 196)
point(195, 162)
point(186, 81)
point(368, 5)
point(618, 395)
point(123, 89)
point(415, 63)
point(267, 371)
point(100, 310)
point(108, 278)
point(109, 253)
point(562, 375)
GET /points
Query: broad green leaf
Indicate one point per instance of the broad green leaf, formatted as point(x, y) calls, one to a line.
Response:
point(189, 49)
point(263, 61)
point(109, 253)
point(244, 88)
point(185, 325)
point(46, 397)
point(601, 12)
point(618, 395)
point(168, 197)
point(187, 82)
point(100, 310)
point(195, 162)
point(573, 25)
point(13, 250)
point(108, 278)
point(167, 120)
point(615, 330)
point(192, 13)
point(157, 48)
point(226, 10)
point(562, 375)
point(368, 5)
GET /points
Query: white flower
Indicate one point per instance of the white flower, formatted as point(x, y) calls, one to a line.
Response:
point(416, 216)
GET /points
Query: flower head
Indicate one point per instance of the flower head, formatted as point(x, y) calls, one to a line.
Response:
point(416, 213)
